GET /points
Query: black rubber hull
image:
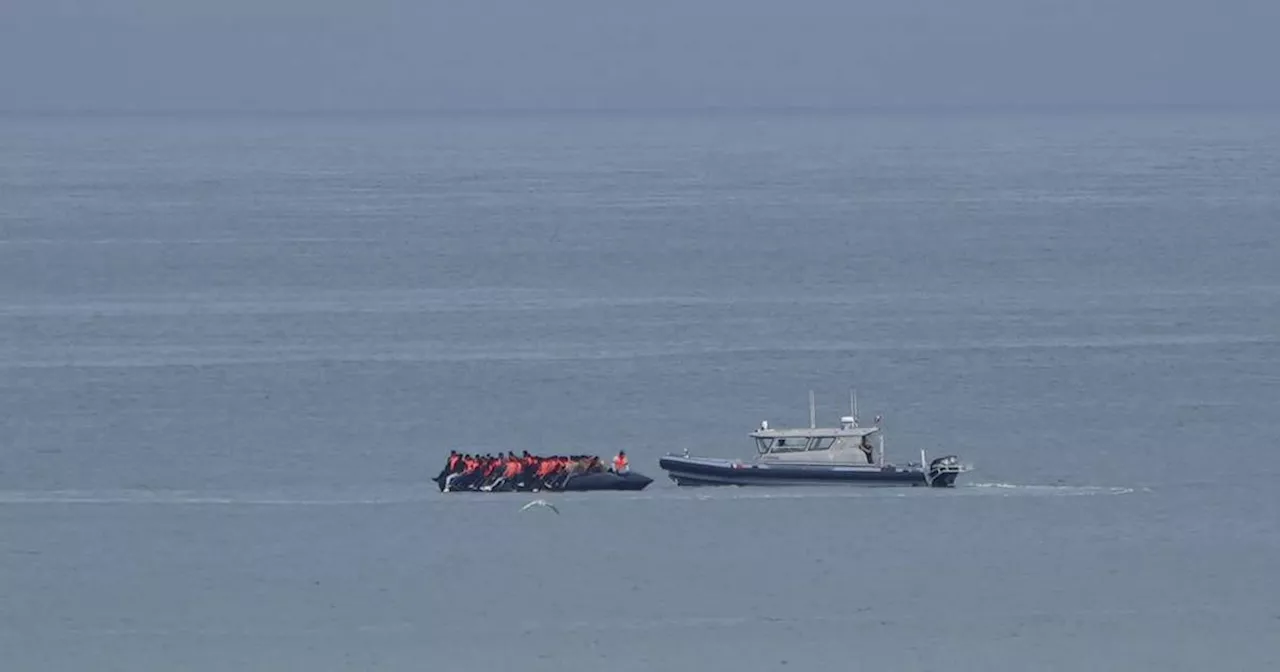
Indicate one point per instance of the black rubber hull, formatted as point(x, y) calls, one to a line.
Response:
point(704, 472)
point(631, 481)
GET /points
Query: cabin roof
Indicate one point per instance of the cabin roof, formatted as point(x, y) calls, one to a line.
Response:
point(808, 431)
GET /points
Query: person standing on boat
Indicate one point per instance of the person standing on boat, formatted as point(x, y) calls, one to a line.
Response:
point(620, 464)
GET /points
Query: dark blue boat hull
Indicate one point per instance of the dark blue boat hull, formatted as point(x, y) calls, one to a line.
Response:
point(689, 471)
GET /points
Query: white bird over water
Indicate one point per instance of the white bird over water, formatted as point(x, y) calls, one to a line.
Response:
point(540, 502)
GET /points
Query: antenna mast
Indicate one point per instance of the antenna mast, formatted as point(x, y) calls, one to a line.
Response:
point(812, 417)
point(853, 404)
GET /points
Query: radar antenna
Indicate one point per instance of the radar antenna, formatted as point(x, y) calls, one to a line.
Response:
point(853, 404)
point(812, 417)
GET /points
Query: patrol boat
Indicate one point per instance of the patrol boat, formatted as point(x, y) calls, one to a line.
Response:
point(846, 455)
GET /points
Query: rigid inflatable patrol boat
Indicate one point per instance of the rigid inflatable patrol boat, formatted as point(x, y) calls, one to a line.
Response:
point(846, 455)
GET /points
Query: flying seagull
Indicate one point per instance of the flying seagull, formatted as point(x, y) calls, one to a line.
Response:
point(540, 502)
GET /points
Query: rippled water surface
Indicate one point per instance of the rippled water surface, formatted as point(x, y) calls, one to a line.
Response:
point(233, 350)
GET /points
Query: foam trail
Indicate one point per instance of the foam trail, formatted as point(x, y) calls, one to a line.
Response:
point(1008, 489)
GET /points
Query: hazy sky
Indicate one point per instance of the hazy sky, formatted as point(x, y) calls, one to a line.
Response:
point(421, 54)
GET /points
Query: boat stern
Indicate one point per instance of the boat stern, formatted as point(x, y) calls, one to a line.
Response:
point(943, 471)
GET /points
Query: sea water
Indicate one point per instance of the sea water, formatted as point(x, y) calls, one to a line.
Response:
point(234, 349)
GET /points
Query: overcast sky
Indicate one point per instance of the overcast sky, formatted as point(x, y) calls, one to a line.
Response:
point(520, 54)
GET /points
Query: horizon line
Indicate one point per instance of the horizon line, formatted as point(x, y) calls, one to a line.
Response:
point(677, 110)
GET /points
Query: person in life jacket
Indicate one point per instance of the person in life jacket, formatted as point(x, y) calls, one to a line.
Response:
point(620, 464)
point(459, 467)
point(490, 469)
point(544, 470)
point(515, 465)
point(508, 471)
point(450, 465)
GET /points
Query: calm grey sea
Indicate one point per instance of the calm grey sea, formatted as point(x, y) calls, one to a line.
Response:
point(233, 350)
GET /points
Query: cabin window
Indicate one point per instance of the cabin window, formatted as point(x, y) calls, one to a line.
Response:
point(790, 445)
point(822, 443)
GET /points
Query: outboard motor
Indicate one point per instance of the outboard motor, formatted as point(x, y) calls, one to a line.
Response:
point(943, 471)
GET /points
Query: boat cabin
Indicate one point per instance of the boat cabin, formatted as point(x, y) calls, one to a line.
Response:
point(846, 444)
